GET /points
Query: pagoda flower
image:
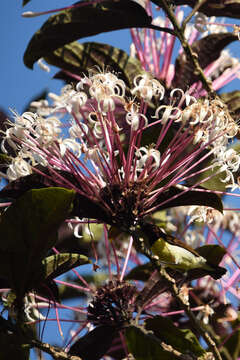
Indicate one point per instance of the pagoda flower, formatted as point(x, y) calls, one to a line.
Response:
point(155, 50)
point(83, 142)
point(108, 156)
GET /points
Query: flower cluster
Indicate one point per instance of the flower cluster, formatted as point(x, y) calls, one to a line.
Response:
point(100, 137)
point(156, 50)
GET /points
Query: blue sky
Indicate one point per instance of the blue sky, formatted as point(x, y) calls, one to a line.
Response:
point(18, 83)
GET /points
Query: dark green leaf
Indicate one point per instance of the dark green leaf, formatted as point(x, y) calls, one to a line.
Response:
point(182, 340)
point(215, 182)
point(95, 344)
point(83, 206)
point(25, 2)
point(78, 58)
point(12, 347)
point(81, 21)
point(213, 253)
point(18, 187)
point(140, 272)
point(175, 197)
point(145, 346)
point(28, 231)
point(233, 342)
point(229, 8)
point(58, 264)
point(208, 49)
point(47, 288)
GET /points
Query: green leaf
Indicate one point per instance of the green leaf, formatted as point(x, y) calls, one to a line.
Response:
point(140, 272)
point(78, 58)
point(233, 342)
point(229, 8)
point(95, 344)
point(13, 347)
point(28, 231)
point(207, 49)
point(213, 253)
point(81, 21)
point(18, 187)
point(5, 159)
point(215, 182)
point(58, 264)
point(176, 197)
point(83, 206)
point(183, 341)
point(145, 346)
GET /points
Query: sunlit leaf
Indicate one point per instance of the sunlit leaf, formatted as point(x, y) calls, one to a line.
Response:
point(207, 49)
point(81, 21)
point(58, 264)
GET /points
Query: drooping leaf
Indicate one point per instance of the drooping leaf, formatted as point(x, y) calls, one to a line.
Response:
point(23, 184)
point(144, 345)
point(182, 340)
point(140, 272)
point(77, 58)
point(232, 100)
point(229, 8)
point(176, 197)
point(208, 49)
point(28, 230)
point(85, 19)
point(215, 181)
point(83, 206)
point(95, 344)
point(213, 253)
point(58, 264)
point(233, 342)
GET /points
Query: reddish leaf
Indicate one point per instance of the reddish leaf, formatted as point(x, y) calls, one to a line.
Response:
point(87, 20)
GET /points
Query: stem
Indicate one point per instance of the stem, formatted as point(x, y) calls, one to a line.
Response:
point(177, 295)
point(193, 57)
point(192, 13)
point(185, 306)
point(55, 352)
